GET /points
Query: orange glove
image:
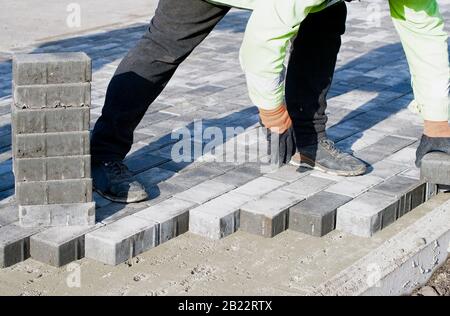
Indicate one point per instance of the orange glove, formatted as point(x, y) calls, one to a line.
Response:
point(277, 120)
point(279, 123)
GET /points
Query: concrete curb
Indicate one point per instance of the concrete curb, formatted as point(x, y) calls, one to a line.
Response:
point(401, 264)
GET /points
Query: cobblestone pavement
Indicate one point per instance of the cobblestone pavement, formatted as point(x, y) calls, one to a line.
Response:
point(367, 115)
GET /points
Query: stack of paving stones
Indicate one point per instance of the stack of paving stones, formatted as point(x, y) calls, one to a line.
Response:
point(51, 161)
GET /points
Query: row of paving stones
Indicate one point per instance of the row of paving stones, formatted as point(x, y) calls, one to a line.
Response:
point(264, 206)
point(307, 201)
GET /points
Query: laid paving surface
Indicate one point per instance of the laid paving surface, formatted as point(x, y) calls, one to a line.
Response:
point(368, 117)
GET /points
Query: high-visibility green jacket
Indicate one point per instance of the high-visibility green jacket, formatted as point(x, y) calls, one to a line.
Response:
point(274, 23)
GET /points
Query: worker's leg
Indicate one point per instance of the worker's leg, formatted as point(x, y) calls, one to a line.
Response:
point(310, 71)
point(176, 29)
point(309, 76)
point(421, 29)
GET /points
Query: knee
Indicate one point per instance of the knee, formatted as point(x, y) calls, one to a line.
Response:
point(423, 16)
point(413, 10)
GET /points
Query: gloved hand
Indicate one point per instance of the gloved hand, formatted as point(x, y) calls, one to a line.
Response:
point(279, 129)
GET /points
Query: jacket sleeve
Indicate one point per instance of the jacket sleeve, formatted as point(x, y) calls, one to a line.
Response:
point(421, 30)
point(270, 28)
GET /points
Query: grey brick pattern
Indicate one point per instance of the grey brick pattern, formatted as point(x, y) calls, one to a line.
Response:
point(49, 141)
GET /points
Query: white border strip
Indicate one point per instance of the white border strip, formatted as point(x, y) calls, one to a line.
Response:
point(399, 265)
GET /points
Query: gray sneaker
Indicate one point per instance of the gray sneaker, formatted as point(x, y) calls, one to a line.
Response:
point(326, 157)
point(114, 181)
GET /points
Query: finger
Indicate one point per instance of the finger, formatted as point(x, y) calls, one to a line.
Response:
point(282, 150)
point(269, 144)
point(290, 149)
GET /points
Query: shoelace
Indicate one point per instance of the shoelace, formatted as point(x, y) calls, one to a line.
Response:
point(331, 147)
point(118, 168)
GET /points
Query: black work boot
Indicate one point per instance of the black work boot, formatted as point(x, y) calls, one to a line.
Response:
point(431, 144)
point(326, 157)
point(115, 182)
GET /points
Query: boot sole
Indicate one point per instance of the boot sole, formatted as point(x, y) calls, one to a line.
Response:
point(127, 200)
point(319, 167)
